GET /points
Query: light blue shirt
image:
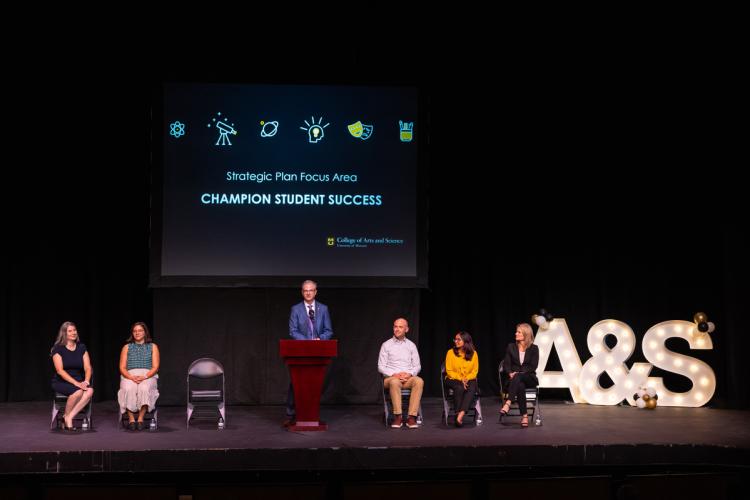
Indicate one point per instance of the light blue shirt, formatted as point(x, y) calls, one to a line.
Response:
point(398, 356)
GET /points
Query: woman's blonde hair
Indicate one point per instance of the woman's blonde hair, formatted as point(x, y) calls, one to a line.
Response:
point(528, 333)
point(62, 335)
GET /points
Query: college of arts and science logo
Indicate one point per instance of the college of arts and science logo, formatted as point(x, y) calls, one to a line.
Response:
point(361, 241)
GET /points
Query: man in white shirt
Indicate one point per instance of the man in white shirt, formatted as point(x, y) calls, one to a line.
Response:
point(399, 364)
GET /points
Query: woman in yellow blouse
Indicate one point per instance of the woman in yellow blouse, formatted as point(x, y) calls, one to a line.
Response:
point(461, 368)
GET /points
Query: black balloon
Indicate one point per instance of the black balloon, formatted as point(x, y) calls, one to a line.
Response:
point(703, 327)
point(548, 316)
point(543, 312)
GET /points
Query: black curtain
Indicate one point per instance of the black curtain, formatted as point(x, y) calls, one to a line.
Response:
point(553, 182)
point(241, 328)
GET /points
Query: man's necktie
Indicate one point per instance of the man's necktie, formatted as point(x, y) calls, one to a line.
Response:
point(311, 314)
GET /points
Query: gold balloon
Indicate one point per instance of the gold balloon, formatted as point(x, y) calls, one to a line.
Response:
point(700, 317)
point(533, 319)
point(651, 404)
point(646, 397)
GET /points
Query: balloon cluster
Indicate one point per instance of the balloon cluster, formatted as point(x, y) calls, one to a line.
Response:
point(542, 319)
point(646, 397)
point(704, 325)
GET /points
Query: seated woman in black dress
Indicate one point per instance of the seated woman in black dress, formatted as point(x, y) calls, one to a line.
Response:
point(521, 361)
point(73, 371)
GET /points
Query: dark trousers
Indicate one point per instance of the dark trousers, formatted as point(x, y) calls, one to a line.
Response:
point(462, 398)
point(517, 389)
point(290, 410)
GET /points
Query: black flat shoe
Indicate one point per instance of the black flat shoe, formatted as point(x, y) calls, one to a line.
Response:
point(131, 426)
point(139, 426)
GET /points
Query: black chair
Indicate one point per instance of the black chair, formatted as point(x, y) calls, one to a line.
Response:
point(533, 405)
point(150, 418)
point(207, 401)
point(475, 408)
point(388, 405)
point(58, 412)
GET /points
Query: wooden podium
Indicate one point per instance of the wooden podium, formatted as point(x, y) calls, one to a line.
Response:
point(307, 361)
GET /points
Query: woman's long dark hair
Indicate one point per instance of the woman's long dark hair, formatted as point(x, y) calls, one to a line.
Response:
point(468, 346)
point(146, 336)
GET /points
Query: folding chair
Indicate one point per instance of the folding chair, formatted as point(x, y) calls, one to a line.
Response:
point(207, 401)
point(533, 405)
point(150, 418)
point(475, 408)
point(58, 412)
point(388, 405)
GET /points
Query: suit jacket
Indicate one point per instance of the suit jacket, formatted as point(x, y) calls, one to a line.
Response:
point(299, 325)
point(512, 361)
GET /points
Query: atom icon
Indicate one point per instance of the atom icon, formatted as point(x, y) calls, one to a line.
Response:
point(177, 129)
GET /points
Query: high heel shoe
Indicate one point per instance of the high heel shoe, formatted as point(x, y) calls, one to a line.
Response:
point(524, 422)
point(505, 409)
point(68, 428)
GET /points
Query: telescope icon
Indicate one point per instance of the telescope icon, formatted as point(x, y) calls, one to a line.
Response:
point(224, 130)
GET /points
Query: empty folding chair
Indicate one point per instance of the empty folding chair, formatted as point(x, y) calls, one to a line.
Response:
point(205, 391)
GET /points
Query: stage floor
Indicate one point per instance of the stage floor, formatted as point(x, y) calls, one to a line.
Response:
point(571, 436)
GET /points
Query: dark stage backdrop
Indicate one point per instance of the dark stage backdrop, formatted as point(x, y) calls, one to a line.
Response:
point(557, 192)
point(241, 328)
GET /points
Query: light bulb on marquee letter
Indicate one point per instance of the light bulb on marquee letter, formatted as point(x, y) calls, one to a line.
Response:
point(611, 361)
point(583, 380)
point(699, 373)
point(558, 335)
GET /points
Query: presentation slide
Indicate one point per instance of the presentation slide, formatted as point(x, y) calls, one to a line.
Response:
point(258, 182)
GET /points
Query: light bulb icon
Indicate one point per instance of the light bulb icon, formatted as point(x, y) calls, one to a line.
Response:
point(314, 130)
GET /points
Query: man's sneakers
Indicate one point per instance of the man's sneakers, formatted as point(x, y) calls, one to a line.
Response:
point(398, 421)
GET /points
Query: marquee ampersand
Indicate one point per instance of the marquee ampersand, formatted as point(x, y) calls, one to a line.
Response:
point(612, 361)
